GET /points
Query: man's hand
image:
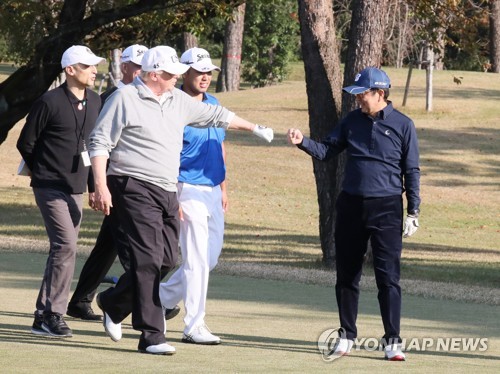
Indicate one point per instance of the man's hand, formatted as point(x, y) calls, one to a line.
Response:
point(224, 200)
point(92, 203)
point(103, 200)
point(410, 225)
point(263, 132)
point(294, 136)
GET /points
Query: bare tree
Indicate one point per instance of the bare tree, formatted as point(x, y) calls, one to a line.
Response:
point(229, 76)
point(366, 41)
point(323, 84)
point(495, 35)
point(189, 40)
point(115, 74)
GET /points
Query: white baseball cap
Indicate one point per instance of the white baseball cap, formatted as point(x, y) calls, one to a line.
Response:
point(134, 54)
point(79, 54)
point(198, 59)
point(163, 58)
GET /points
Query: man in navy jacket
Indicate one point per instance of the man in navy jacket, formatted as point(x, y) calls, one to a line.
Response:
point(382, 163)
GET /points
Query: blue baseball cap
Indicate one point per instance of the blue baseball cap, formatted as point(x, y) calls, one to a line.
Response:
point(368, 78)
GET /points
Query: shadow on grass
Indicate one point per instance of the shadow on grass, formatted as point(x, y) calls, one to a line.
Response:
point(297, 299)
point(249, 140)
point(275, 247)
point(25, 220)
point(267, 343)
point(416, 247)
point(464, 93)
point(435, 143)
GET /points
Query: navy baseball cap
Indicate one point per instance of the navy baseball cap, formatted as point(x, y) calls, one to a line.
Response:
point(368, 78)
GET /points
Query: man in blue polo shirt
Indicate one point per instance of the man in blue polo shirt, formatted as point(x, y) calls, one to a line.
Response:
point(203, 200)
point(382, 163)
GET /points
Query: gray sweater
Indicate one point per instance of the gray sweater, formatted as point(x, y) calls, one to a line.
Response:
point(143, 137)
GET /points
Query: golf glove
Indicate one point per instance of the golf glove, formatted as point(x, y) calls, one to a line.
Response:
point(410, 226)
point(263, 132)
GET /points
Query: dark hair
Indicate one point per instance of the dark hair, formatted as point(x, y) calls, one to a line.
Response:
point(386, 92)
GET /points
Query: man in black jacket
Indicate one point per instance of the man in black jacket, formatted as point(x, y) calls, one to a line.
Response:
point(53, 145)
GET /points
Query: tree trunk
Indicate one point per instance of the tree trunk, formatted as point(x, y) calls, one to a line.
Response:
point(366, 39)
point(323, 84)
point(29, 82)
point(188, 41)
point(440, 49)
point(495, 35)
point(429, 67)
point(115, 73)
point(229, 76)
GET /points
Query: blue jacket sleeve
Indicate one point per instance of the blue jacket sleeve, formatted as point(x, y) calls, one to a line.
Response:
point(411, 169)
point(332, 145)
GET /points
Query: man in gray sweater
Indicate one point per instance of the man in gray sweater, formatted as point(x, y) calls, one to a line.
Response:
point(140, 129)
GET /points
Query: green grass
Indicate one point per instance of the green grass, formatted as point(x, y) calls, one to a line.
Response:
point(272, 232)
point(273, 212)
point(265, 325)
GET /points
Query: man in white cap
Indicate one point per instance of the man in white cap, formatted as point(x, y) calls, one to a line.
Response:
point(53, 143)
point(383, 163)
point(140, 130)
point(130, 67)
point(203, 200)
point(104, 253)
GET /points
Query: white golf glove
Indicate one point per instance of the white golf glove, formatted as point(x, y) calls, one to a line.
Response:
point(263, 132)
point(410, 226)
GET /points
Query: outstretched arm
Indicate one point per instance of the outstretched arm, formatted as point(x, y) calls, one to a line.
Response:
point(263, 132)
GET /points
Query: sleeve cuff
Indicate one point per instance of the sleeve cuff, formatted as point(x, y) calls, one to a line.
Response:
point(98, 152)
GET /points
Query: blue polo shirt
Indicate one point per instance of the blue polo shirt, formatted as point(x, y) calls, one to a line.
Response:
point(202, 162)
point(382, 154)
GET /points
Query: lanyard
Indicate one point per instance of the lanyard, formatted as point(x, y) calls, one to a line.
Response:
point(79, 129)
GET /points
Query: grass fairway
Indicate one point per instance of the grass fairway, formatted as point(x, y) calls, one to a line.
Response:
point(266, 326)
point(270, 299)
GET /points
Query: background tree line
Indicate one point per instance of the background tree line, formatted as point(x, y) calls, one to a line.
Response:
point(461, 32)
point(261, 37)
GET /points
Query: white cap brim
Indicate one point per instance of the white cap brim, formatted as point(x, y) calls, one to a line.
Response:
point(176, 68)
point(204, 67)
point(92, 60)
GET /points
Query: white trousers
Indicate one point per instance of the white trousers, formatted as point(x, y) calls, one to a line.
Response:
point(201, 237)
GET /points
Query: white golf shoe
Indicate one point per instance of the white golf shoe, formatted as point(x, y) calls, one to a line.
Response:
point(393, 352)
point(113, 330)
point(159, 349)
point(342, 347)
point(201, 335)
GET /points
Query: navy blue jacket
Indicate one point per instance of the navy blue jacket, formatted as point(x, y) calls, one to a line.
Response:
point(382, 154)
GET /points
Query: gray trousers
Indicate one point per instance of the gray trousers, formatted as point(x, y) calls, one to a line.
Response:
point(62, 215)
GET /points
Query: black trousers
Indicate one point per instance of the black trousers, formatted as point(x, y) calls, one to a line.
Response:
point(149, 217)
point(100, 260)
point(379, 220)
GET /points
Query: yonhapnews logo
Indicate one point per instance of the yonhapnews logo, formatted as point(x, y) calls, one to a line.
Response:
point(328, 339)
